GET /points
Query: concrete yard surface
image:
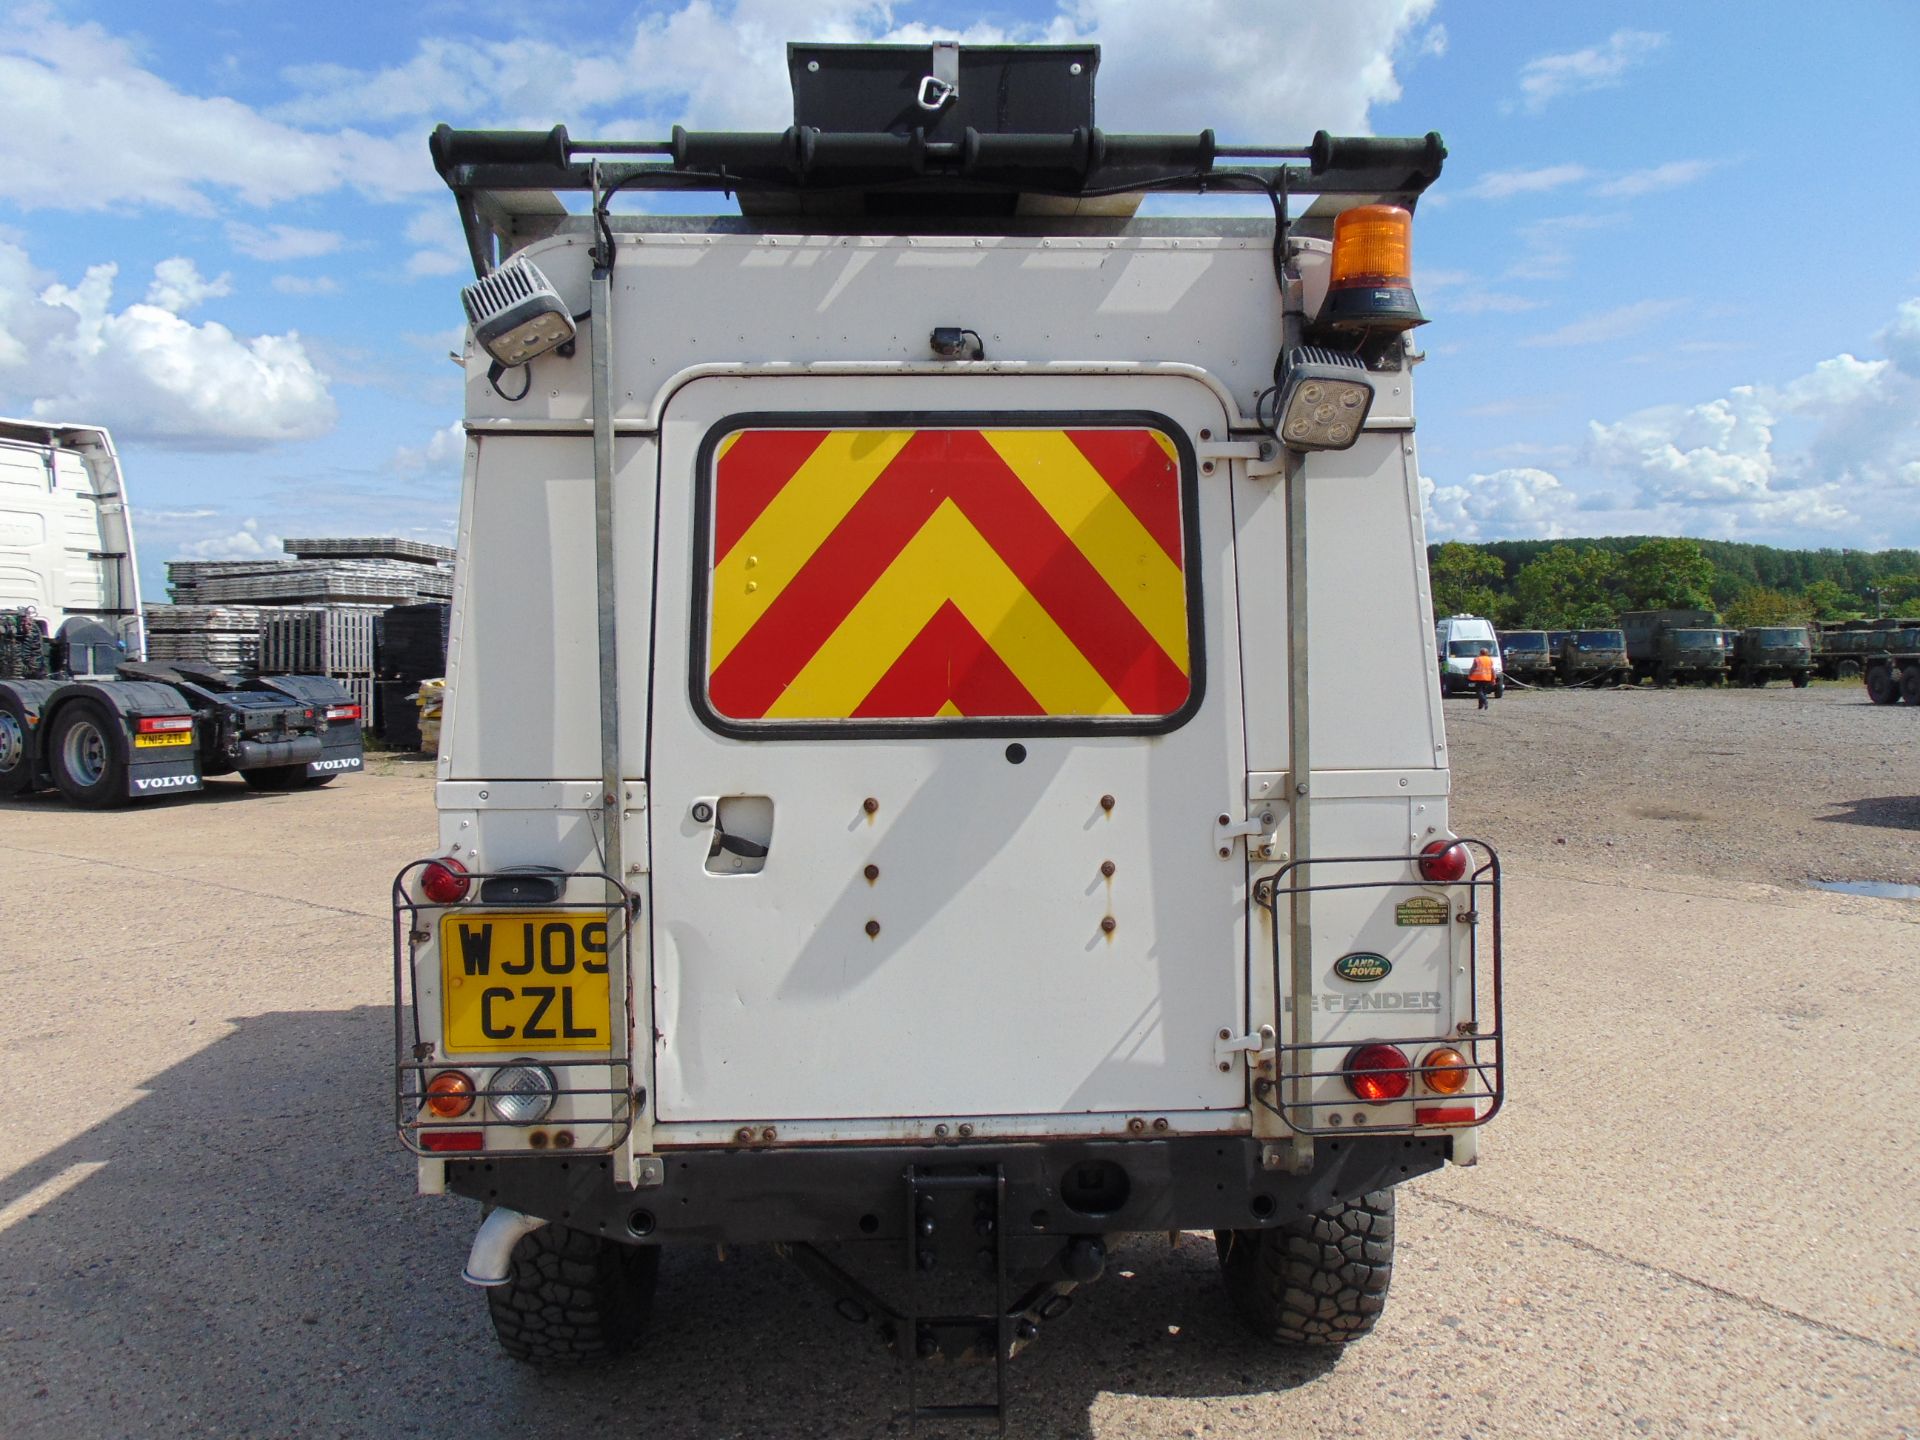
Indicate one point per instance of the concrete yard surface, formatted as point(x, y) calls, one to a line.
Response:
point(1698, 1216)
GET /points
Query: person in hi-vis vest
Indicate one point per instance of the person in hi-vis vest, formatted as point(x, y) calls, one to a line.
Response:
point(1481, 675)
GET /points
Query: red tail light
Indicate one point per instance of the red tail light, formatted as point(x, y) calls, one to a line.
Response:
point(1445, 861)
point(1377, 1073)
point(164, 724)
point(450, 1140)
point(445, 882)
point(343, 712)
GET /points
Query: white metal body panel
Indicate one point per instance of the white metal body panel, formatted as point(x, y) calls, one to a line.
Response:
point(990, 987)
point(682, 300)
point(773, 1003)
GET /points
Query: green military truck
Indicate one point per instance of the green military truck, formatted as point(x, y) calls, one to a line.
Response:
point(1592, 657)
point(1892, 670)
point(1773, 652)
point(1841, 648)
point(1525, 657)
point(1667, 646)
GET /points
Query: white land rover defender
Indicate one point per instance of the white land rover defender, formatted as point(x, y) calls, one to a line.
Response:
point(911, 793)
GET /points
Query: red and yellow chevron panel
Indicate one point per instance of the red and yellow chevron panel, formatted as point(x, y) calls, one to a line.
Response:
point(921, 574)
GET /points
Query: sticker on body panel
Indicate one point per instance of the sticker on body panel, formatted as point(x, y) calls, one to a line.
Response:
point(144, 781)
point(947, 574)
point(1363, 967)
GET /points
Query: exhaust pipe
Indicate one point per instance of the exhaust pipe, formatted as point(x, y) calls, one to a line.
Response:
point(490, 1261)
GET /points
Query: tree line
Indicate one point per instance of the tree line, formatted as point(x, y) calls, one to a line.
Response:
point(1574, 584)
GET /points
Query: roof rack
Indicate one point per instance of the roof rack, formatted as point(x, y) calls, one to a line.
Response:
point(901, 131)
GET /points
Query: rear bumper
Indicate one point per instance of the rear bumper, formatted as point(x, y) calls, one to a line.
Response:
point(825, 1194)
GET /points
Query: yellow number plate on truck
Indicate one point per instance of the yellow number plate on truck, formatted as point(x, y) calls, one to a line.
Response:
point(164, 737)
point(524, 982)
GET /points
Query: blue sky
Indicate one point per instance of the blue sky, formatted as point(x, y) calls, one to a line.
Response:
point(1671, 266)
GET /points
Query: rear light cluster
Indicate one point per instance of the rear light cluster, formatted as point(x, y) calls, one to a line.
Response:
point(164, 724)
point(1445, 862)
point(343, 712)
point(445, 881)
point(518, 1094)
point(1379, 1073)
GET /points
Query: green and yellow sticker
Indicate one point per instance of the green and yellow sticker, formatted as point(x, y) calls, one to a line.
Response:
point(1421, 910)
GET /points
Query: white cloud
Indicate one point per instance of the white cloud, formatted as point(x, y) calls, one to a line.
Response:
point(306, 285)
point(1614, 324)
point(1291, 66)
point(441, 246)
point(1832, 454)
point(1836, 447)
point(1548, 245)
point(1599, 67)
point(282, 242)
point(1670, 176)
point(179, 286)
point(445, 448)
point(246, 543)
point(1901, 339)
point(83, 126)
point(1514, 504)
point(144, 371)
point(1500, 184)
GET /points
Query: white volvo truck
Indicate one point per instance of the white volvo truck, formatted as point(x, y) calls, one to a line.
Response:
point(943, 763)
point(80, 711)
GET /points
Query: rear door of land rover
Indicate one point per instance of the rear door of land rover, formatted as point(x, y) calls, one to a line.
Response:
point(945, 704)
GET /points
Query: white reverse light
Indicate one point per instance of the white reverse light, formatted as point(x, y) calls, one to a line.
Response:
point(521, 1094)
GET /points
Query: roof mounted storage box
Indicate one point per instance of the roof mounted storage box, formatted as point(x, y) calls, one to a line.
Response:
point(997, 89)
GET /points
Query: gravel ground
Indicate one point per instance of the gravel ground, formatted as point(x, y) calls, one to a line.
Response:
point(1776, 785)
point(207, 1228)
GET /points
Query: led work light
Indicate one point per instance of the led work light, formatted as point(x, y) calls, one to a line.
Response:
point(1324, 399)
point(516, 313)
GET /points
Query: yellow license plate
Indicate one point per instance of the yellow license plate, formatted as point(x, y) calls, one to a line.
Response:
point(163, 737)
point(524, 982)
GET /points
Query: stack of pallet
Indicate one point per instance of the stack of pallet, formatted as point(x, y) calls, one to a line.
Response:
point(413, 648)
point(220, 637)
point(307, 582)
point(338, 641)
point(316, 612)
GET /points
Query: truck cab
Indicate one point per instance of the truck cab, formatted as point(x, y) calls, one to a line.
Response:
point(1773, 652)
point(1592, 657)
point(1524, 656)
point(941, 762)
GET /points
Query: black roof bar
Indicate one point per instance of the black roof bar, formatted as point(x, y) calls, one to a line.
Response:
point(1084, 163)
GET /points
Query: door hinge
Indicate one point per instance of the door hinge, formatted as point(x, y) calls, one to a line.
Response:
point(1258, 1048)
point(1260, 833)
point(1261, 457)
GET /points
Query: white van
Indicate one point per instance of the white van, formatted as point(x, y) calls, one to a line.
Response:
point(1456, 640)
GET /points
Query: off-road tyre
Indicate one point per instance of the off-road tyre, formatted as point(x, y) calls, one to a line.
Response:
point(83, 756)
point(1910, 684)
point(1318, 1280)
point(1883, 687)
point(573, 1298)
point(1801, 679)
